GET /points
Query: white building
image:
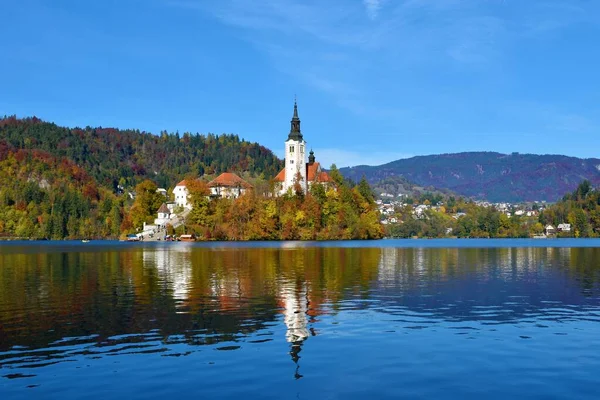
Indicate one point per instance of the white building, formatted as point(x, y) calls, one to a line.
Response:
point(564, 227)
point(550, 230)
point(180, 193)
point(296, 169)
point(228, 185)
point(164, 215)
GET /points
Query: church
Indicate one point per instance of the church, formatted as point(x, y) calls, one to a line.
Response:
point(296, 168)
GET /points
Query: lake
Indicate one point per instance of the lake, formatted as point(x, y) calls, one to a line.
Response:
point(464, 319)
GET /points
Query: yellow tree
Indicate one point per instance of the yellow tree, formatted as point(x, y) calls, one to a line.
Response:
point(198, 192)
point(147, 202)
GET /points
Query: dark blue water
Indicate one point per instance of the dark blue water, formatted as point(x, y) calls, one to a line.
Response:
point(382, 319)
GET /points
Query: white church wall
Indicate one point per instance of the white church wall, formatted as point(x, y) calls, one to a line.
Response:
point(295, 161)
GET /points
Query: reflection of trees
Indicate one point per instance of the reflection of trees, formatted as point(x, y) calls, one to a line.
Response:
point(207, 295)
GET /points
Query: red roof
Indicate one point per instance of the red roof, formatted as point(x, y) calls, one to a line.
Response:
point(182, 183)
point(280, 176)
point(229, 179)
point(313, 174)
point(324, 177)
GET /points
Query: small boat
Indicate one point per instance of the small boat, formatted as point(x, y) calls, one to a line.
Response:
point(133, 238)
point(187, 238)
point(85, 241)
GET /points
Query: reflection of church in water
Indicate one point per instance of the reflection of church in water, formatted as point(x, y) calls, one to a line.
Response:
point(296, 309)
point(230, 291)
point(174, 268)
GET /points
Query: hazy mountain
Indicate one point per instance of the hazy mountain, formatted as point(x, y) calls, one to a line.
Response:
point(488, 175)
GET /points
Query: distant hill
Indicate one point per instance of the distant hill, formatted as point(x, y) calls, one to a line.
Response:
point(114, 156)
point(396, 185)
point(488, 175)
point(58, 182)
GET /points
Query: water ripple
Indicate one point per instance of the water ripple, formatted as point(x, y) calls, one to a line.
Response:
point(339, 322)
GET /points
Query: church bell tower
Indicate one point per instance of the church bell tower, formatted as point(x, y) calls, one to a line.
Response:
point(295, 155)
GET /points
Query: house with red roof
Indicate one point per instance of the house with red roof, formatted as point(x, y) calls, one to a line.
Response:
point(180, 193)
point(296, 169)
point(228, 185)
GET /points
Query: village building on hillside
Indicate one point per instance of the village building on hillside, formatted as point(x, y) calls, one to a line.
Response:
point(296, 169)
point(164, 215)
point(228, 185)
point(180, 193)
point(564, 227)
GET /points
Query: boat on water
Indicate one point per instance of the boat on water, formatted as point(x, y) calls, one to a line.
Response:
point(85, 241)
point(187, 238)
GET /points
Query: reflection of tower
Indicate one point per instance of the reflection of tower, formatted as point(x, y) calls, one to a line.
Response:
point(295, 302)
point(420, 259)
point(387, 269)
point(173, 266)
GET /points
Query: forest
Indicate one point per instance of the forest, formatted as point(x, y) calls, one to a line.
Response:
point(116, 157)
point(62, 183)
point(463, 218)
point(335, 212)
point(71, 183)
point(581, 209)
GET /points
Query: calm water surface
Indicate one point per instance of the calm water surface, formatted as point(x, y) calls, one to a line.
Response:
point(385, 319)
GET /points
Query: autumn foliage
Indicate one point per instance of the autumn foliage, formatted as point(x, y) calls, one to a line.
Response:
point(61, 183)
point(332, 213)
point(44, 197)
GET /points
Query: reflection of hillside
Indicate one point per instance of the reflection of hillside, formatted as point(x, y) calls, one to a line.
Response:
point(207, 295)
point(174, 289)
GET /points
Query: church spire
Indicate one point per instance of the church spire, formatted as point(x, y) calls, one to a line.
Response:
point(311, 157)
point(295, 109)
point(295, 133)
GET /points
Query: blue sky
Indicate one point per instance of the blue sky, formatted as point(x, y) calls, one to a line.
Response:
point(376, 80)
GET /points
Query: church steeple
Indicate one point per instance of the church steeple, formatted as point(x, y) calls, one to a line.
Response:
point(295, 133)
point(311, 157)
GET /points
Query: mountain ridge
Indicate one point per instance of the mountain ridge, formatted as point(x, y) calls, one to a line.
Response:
point(489, 175)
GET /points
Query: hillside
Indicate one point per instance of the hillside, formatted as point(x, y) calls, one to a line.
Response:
point(63, 183)
point(58, 183)
point(125, 157)
point(42, 196)
point(395, 185)
point(581, 209)
point(487, 175)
